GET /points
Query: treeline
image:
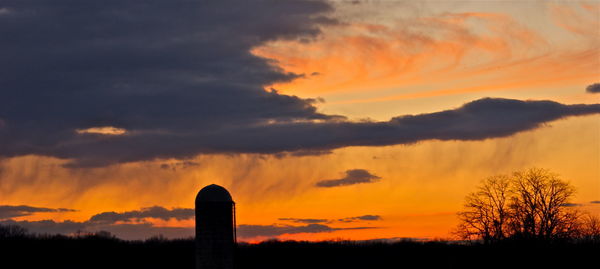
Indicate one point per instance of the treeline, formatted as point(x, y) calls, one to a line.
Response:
point(102, 250)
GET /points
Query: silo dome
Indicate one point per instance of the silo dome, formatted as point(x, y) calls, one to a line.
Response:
point(213, 193)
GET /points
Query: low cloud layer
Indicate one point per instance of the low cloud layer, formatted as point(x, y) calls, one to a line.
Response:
point(316, 221)
point(594, 88)
point(126, 225)
point(133, 225)
point(10, 211)
point(361, 218)
point(250, 231)
point(156, 212)
point(307, 221)
point(354, 176)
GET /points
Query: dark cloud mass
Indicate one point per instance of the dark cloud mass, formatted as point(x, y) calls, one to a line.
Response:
point(179, 78)
point(11, 211)
point(148, 212)
point(594, 88)
point(249, 231)
point(354, 176)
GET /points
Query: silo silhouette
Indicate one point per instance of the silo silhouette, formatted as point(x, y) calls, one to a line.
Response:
point(215, 228)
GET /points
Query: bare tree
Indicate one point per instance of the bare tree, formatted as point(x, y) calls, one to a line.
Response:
point(590, 228)
point(486, 211)
point(537, 206)
point(526, 205)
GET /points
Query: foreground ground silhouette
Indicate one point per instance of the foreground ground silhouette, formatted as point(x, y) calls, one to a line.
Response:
point(99, 251)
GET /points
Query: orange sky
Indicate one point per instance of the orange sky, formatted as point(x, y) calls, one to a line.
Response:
point(375, 67)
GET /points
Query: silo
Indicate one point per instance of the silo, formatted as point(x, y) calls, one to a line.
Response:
point(215, 228)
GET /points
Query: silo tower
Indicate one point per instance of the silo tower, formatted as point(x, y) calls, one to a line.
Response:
point(215, 228)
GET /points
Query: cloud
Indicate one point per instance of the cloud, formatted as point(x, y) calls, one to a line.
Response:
point(361, 218)
point(595, 202)
point(156, 212)
point(570, 205)
point(126, 225)
point(132, 225)
point(308, 221)
point(593, 88)
point(126, 81)
point(250, 231)
point(10, 211)
point(354, 176)
point(135, 231)
point(349, 219)
point(147, 69)
point(179, 165)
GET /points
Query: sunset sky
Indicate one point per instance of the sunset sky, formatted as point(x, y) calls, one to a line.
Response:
point(324, 119)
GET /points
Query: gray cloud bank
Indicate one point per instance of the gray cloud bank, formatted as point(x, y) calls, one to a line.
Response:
point(179, 77)
point(249, 231)
point(11, 211)
point(126, 225)
point(353, 176)
point(593, 88)
point(349, 219)
point(133, 225)
point(148, 212)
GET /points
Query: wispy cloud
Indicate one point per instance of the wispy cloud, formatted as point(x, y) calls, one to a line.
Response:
point(353, 176)
point(12, 211)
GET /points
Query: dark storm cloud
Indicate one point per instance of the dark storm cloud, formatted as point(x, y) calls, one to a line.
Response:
point(11, 211)
point(354, 176)
point(174, 68)
point(179, 77)
point(156, 212)
point(594, 88)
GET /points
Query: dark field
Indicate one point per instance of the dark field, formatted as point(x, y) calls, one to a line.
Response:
point(102, 252)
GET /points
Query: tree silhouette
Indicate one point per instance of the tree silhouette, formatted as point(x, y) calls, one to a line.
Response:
point(527, 205)
point(486, 211)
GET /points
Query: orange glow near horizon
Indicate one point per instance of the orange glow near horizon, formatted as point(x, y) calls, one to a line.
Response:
point(421, 186)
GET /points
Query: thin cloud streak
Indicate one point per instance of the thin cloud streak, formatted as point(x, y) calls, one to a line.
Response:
point(353, 176)
point(11, 211)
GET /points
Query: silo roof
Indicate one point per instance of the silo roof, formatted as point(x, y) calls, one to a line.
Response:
point(213, 193)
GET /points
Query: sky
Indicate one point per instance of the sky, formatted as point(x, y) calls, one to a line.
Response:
point(325, 120)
